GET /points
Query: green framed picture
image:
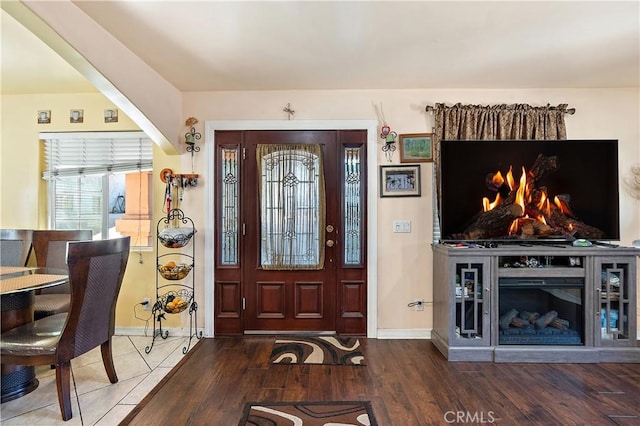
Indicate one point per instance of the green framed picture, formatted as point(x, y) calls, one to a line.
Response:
point(416, 148)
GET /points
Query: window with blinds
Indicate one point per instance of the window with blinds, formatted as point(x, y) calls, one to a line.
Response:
point(86, 174)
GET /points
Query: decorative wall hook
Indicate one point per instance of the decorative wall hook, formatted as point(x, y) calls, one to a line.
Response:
point(191, 137)
point(387, 135)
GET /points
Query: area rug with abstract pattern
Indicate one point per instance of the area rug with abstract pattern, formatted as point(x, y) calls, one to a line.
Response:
point(308, 413)
point(327, 350)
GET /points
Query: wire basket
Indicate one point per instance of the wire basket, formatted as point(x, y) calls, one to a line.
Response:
point(175, 237)
point(174, 302)
point(172, 271)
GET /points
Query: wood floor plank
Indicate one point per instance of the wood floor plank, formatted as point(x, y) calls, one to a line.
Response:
point(408, 382)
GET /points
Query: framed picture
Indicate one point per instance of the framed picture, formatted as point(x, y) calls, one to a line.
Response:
point(416, 148)
point(400, 181)
point(110, 115)
point(76, 116)
point(44, 116)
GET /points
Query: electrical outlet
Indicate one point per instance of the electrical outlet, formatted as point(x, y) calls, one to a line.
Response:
point(419, 304)
point(146, 302)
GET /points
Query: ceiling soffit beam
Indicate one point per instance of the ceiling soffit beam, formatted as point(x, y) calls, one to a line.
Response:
point(116, 72)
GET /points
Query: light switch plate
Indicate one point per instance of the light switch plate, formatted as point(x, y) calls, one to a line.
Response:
point(403, 226)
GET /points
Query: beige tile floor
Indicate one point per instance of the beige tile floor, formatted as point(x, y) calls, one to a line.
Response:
point(94, 400)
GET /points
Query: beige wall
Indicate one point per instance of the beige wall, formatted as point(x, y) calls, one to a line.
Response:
point(403, 262)
point(23, 202)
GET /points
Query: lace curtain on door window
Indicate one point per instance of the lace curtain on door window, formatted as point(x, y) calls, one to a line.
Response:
point(292, 206)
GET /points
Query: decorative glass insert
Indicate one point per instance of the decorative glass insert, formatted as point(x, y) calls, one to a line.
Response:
point(353, 206)
point(614, 302)
point(469, 301)
point(229, 209)
point(292, 206)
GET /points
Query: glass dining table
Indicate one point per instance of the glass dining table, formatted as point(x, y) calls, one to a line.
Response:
point(18, 286)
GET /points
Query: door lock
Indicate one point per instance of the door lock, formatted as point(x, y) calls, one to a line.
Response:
point(330, 243)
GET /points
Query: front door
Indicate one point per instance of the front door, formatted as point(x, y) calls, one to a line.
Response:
point(290, 234)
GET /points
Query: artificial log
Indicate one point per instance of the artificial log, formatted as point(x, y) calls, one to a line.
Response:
point(529, 316)
point(506, 319)
point(546, 319)
point(492, 223)
point(533, 228)
point(519, 322)
point(543, 166)
point(574, 227)
point(560, 324)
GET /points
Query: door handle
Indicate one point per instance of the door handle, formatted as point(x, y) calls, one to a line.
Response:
point(330, 243)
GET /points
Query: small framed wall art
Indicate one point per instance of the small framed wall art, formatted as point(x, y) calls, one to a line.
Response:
point(76, 116)
point(400, 181)
point(44, 116)
point(416, 148)
point(110, 115)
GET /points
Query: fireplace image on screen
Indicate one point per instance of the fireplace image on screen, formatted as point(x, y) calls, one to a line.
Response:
point(529, 190)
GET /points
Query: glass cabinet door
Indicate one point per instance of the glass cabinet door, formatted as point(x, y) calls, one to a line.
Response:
point(471, 295)
point(615, 302)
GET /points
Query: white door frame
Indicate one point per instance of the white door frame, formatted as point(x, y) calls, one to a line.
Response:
point(370, 126)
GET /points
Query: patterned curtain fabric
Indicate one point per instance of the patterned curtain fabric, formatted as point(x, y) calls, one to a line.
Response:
point(292, 206)
point(491, 122)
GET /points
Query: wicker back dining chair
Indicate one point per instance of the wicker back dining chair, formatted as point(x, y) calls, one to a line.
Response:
point(15, 246)
point(96, 270)
point(50, 250)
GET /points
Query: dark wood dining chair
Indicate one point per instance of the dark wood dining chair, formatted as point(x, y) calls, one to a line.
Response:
point(50, 250)
point(15, 246)
point(96, 270)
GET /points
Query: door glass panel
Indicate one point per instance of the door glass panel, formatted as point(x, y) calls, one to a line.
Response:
point(353, 206)
point(292, 206)
point(229, 203)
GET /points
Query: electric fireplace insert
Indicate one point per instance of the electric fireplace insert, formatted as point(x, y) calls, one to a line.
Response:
point(524, 190)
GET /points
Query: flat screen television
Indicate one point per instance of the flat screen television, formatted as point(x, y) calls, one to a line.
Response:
point(577, 178)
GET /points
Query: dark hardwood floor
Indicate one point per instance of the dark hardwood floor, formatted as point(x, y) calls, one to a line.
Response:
point(408, 382)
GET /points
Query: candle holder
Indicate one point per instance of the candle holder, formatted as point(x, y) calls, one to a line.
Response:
point(190, 139)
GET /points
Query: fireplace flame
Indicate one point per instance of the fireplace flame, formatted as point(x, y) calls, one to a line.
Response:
point(535, 209)
point(523, 209)
point(487, 205)
point(520, 194)
point(497, 179)
point(562, 206)
point(510, 181)
point(543, 204)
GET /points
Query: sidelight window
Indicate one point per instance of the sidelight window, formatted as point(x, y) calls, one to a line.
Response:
point(229, 202)
point(353, 210)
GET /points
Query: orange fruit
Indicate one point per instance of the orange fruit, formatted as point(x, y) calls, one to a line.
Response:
point(171, 264)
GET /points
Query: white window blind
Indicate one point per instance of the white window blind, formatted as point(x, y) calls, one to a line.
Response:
point(75, 154)
point(86, 173)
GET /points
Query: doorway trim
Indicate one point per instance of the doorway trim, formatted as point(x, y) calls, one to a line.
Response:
point(370, 126)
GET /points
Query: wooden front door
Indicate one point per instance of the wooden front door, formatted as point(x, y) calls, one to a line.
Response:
point(290, 231)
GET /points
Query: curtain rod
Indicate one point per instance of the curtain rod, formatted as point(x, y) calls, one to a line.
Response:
point(569, 111)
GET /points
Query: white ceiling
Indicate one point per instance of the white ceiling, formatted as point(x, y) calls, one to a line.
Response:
point(289, 45)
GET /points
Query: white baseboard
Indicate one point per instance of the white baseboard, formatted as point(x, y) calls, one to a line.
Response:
point(402, 333)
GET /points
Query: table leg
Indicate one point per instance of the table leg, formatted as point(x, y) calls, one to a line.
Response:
point(17, 380)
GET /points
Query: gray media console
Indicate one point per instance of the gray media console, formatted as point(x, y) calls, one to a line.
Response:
point(535, 303)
